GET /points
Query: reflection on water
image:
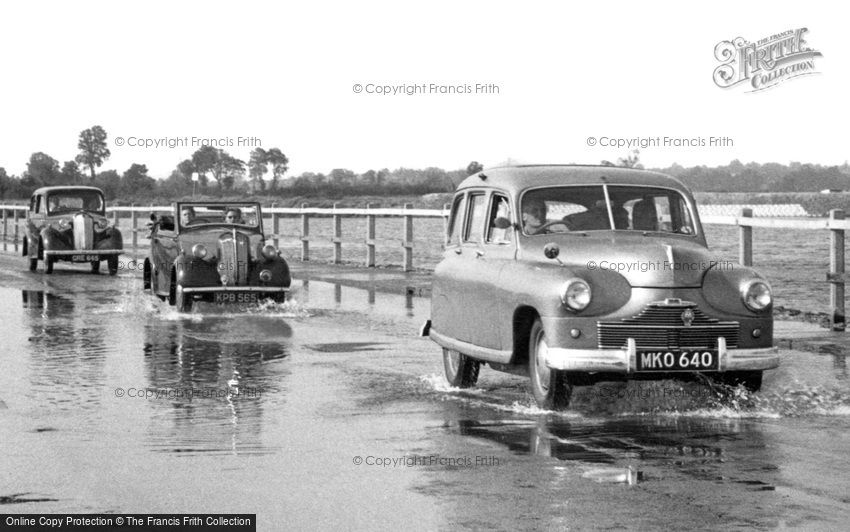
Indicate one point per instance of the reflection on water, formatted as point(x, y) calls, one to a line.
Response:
point(214, 376)
point(319, 293)
point(66, 354)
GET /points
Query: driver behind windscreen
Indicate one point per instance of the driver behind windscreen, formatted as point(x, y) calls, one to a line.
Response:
point(533, 215)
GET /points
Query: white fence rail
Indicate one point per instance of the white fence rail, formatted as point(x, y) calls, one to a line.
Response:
point(14, 215)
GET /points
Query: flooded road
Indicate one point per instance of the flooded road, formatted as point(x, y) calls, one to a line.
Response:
point(329, 412)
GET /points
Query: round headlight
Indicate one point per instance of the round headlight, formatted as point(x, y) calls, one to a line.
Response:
point(265, 276)
point(757, 295)
point(269, 251)
point(101, 224)
point(199, 251)
point(575, 294)
point(64, 223)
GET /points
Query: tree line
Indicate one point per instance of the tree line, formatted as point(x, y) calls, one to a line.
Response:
point(212, 171)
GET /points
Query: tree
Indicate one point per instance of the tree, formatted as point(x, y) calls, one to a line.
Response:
point(71, 174)
point(474, 167)
point(109, 182)
point(42, 170)
point(93, 150)
point(136, 182)
point(257, 168)
point(280, 164)
point(223, 167)
point(632, 160)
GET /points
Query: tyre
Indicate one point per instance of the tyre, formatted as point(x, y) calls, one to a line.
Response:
point(112, 264)
point(33, 264)
point(95, 266)
point(146, 275)
point(550, 387)
point(182, 302)
point(461, 371)
point(750, 380)
point(48, 264)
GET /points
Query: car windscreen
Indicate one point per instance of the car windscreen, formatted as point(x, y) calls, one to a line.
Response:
point(601, 208)
point(75, 200)
point(198, 214)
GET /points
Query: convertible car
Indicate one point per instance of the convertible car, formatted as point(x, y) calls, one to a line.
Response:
point(213, 252)
point(69, 224)
point(579, 274)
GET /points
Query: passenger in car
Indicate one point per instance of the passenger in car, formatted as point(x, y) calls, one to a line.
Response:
point(233, 216)
point(645, 216)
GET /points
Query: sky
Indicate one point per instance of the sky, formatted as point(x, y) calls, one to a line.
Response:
point(280, 74)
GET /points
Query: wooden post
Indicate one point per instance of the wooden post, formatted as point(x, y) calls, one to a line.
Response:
point(115, 217)
point(745, 246)
point(15, 222)
point(408, 239)
point(836, 268)
point(337, 236)
point(133, 221)
point(5, 228)
point(305, 234)
point(370, 238)
point(276, 227)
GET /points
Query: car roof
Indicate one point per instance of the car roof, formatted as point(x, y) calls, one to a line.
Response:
point(519, 178)
point(44, 190)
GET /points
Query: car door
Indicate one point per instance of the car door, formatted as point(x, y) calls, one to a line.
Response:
point(477, 275)
point(445, 299)
point(499, 253)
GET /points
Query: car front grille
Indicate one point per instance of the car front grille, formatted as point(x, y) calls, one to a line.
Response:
point(234, 258)
point(660, 325)
point(83, 232)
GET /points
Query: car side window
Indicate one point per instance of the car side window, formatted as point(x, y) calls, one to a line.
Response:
point(499, 210)
point(455, 222)
point(475, 214)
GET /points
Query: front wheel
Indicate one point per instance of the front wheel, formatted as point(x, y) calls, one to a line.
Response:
point(461, 371)
point(182, 302)
point(146, 275)
point(551, 389)
point(95, 266)
point(48, 264)
point(33, 264)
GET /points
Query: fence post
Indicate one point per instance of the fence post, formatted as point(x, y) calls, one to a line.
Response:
point(133, 222)
point(276, 226)
point(836, 268)
point(745, 246)
point(408, 239)
point(370, 238)
point(15, 221)
point(5, 228)
point(305, 234)
point(337, 236)
point(115, 216)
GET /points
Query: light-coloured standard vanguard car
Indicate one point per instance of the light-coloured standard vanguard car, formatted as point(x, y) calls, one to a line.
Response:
point(213, 252)
point(69, 224)
point(579, 274)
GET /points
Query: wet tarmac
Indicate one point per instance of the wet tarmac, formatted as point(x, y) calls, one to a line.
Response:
point(329, 412)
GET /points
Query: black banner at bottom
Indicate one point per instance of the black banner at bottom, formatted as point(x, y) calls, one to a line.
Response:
point(130, 522)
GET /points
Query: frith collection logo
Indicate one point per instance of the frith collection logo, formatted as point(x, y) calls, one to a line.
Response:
point(765, 63)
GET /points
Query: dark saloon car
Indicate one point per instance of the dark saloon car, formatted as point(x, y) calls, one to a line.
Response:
point(579, 274)
point(213, 252)
point(69, 224)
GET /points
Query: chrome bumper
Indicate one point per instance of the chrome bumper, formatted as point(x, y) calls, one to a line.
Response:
point(213, 289)
point(625, 360)
point(84, 252)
